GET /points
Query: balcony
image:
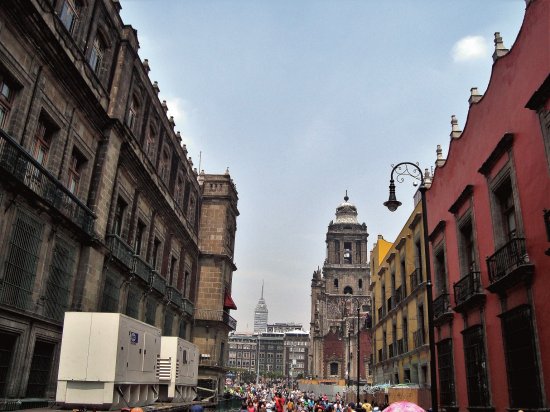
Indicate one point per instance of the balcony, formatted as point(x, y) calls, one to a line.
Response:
point(509, 266)
point(174, 296)
point(24, 171)
point(188, 307)
point(416, 278)
point(418, 338)
point(157, 283)
point(217, 316)
point(442, 309)
point(142, 269)
point(468, 292)
point(121, 251)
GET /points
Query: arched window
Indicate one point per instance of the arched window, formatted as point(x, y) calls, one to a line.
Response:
point(150, 142)
point(336, 283)
point(178, 191)
point(132, 113)
point(348, 290)
point(164, 167)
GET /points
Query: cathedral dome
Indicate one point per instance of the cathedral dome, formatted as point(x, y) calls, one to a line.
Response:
point(346, 212)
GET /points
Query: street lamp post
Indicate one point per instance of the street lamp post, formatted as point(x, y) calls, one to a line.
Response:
point(402, 170)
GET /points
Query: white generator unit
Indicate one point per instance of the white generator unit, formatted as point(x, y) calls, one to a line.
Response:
point(107, 361)
point(178, 370)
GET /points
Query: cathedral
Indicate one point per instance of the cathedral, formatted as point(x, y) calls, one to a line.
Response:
point(341, 302)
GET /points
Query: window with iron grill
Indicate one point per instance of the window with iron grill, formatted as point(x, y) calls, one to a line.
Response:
point(524, 387)
point(111, 291)
point(150, 311)
point(20, 267)
point(446, 372)
point(132, 303)
point(168, 322)
point(476, 366)
point(58, 285)
point(7, 346)
point(41, 364)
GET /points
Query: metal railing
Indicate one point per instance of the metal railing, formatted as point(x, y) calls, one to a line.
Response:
point(174, 296)
point(467, 287)
point(418, 338)
point(507, 258)
point(25, 169)
point(142, 269)
point(441, 305)
point(416, 278)
point(157, 282)
point(121, 250)
point(216, 315)
point(188, 307)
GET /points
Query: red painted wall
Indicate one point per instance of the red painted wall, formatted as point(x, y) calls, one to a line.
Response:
point(515, 77)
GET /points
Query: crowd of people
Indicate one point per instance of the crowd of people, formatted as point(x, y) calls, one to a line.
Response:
point(279, 398)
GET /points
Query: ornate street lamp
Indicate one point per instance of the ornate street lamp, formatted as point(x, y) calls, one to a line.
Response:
point(402, 170)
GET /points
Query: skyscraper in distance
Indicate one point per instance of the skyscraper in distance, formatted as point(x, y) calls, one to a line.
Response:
point(260, 314)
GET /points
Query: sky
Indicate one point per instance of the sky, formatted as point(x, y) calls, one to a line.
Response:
point(305, 99)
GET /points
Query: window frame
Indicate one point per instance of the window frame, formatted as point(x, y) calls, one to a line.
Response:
point(6, 101)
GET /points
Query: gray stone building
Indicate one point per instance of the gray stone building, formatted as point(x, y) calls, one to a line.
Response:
point(261, 314)
point(100, 207)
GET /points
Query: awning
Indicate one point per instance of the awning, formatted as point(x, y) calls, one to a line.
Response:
point(228, 302)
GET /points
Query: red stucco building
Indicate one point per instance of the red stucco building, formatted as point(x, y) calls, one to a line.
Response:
point(489, 235)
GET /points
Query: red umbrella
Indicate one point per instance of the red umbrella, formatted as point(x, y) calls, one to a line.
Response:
point(404, 406)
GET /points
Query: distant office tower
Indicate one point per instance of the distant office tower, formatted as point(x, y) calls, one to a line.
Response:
point(260, 315)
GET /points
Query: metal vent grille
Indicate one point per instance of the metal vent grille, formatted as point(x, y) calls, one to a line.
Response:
point(59, 280)
point(20, 270)
point(164, 370)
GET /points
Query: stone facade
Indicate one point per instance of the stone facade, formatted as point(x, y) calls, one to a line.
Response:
point(100, 206)
point(338, 294)
point(218, 224)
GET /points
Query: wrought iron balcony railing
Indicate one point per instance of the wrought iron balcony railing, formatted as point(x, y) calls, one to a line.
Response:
point(142, 269)
point(121, 250)
point(509, 257)
point(216, 315)
point(441, 305)
point(416, 278)
point(174, 296)
point(188, 307)
point(26, 170)
point(467, 287)
point(157, 282)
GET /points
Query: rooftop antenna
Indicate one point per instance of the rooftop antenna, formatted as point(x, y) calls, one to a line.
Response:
point(262, 289)
point(200, 159)
point(346, 198)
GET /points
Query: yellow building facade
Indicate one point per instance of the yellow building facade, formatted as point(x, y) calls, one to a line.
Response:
point(400, 315)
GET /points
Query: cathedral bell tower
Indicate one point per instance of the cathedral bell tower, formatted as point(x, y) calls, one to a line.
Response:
point(337, 291)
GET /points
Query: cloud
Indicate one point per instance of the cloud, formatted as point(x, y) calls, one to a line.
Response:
point(176, 109)
point(470, 48)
